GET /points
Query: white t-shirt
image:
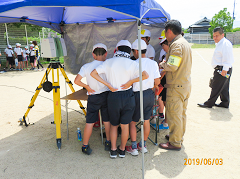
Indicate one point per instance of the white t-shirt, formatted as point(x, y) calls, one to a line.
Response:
point(223, 54)
point(119, 70)
point(150, 52)
point(94, 84)
point(151, 67)
point(25, 52)
point(32, 52)
point(18, 51)
point(9, 52)
point(162, 52)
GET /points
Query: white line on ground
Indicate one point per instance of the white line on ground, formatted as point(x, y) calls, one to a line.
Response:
point(202, 58)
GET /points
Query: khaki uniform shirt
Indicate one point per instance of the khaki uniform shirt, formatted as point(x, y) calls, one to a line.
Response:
point(178, 63)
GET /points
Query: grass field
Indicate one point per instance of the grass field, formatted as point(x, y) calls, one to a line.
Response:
point(210, 46)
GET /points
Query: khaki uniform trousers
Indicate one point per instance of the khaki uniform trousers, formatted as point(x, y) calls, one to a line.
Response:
point(176, 107)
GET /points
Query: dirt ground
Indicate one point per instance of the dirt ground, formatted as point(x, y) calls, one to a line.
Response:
point(31, 152)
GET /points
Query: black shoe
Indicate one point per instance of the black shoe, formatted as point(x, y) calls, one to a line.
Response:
point(202, 105)
point(121, 152)
point(107, 146)
point(113, 154)
point(167, 137)
point(87, 150)
point(222, 105)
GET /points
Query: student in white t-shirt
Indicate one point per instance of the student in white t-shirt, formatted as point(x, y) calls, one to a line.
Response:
point(151, 67)
point(10, 57)
point(146, 35)
point(97, 97)
point(25, 57)
point(119, 70)
point(19, 54)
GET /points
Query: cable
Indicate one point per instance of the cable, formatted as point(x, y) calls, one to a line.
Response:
point(41, 96)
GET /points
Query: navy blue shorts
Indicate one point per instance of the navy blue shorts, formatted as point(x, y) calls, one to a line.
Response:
point(20, 58)
point(148, 102)
point(121, 105)
point(96, 102)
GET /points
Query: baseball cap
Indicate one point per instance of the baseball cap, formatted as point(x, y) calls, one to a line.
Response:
point(99, 45)
point(26, 47)
point(18, 44)
point(9, 46)
point(145, 33)
point(162, 35)
point(135, 45)
point(31, 45)
point(162, 40)
point(124, 43)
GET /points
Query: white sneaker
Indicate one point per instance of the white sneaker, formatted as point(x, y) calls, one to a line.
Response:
point(129, 150)
point(144, 148)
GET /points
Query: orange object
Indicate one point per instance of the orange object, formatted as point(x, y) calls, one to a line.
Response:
point(160, 88)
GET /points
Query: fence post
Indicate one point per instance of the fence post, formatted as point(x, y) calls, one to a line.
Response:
point(6, 33)
point(199, 38)
point(26, 34)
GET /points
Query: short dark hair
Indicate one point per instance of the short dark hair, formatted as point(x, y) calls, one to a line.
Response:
point(99, 51)
point(218, 29)
point(147, 38)
point(174, 25)
point(164, 42)
point(142, 51)
point(34, 42)
point(124, 49)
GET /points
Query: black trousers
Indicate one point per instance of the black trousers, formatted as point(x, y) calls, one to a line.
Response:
point(220, 87)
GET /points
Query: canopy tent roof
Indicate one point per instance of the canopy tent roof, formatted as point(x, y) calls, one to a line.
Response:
point(53, 13)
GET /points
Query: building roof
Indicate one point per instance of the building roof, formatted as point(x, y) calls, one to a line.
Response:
point(198, 23)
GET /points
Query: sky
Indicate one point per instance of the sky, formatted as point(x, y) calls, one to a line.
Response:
point(190, 11)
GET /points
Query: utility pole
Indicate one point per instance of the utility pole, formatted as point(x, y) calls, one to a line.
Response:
point(233, 12)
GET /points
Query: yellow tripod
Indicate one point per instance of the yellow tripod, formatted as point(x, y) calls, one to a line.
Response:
point(56, 97)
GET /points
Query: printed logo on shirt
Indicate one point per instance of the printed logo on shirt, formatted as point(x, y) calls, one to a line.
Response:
point(174, 60)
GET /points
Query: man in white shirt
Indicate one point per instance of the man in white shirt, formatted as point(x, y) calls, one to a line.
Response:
point(222, 63)
point(146, 35)
point(151, 67)
point(97, 97)
point(119, 70)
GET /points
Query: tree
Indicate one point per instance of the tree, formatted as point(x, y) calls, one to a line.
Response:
point(222, 19)
point(236, 29)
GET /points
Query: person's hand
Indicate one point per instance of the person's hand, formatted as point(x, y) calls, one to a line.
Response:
point(224, 73)
point(112, 89)
point(126, 85)
point(90, 90)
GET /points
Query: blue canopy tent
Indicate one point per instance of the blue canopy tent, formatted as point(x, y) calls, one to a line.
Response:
point(86, 22)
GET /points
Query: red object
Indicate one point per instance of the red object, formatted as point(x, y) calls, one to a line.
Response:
point(160, 88)
point(97, 124)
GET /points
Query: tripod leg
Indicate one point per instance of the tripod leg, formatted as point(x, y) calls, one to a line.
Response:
point(72, 89)
point(57, 107)
point(34, 97)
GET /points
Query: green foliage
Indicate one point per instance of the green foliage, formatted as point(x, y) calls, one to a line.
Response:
point(236, 29)
point(30, 26)
point(222, 19)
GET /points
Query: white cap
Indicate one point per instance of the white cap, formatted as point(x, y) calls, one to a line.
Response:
point(18, 44)
point(124, 43)
point(26, 47)
point(31, 45)
point(9, 46)
point(162, 40)
point(135, 45)
point(145, 33)
point(99, 45)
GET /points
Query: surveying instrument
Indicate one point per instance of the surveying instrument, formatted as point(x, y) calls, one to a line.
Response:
point(53, 47)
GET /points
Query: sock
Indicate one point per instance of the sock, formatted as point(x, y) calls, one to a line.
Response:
point(84, 146)
point(134, 145)
point(108, 141)
point(140, 143)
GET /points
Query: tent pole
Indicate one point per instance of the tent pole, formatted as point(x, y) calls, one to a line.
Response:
point(26, 34)
point(6, 33)
point(141, 92)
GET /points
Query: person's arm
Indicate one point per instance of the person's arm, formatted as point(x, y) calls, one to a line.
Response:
point(130, 82)
point(95, 75)
point(227, 58)
point(78, 82)
point(174, 60)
